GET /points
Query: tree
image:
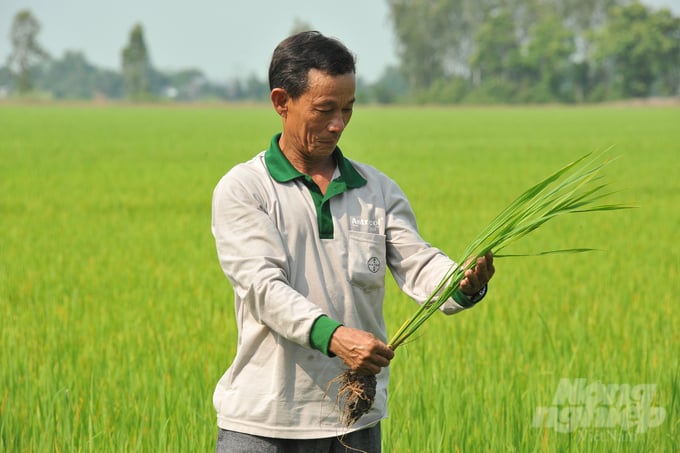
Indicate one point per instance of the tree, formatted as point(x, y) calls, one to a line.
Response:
point(496, 61)
point(420, 28)
point(547, 59)
point(388, 88)
point(527, 49)
point(668, 62)
point(641, 47)
point(26, 53)
point(5, 78)
point(436, 38)
point(69, 77)
point(136, 65)
point(73, 77)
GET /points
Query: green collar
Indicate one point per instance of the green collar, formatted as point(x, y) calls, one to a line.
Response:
point(283, 171)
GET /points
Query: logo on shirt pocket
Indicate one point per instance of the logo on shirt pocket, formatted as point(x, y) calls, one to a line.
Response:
point(366, 260)
point(374, 264)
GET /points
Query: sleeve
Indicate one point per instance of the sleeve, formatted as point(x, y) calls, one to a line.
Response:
point(466, 301)
point(416, 266)
point(253, 256)
point(322, 331)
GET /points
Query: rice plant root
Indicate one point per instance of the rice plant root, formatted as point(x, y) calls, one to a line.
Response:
point(355, 396)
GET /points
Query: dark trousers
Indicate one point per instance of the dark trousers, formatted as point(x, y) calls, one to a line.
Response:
point(365, 440)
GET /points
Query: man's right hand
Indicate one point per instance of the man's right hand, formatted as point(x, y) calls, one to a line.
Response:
point(361, 351)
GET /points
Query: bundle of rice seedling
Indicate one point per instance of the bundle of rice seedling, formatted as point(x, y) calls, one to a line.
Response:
point(573, 189)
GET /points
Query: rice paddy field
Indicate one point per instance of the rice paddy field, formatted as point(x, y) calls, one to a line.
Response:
point(117, 320)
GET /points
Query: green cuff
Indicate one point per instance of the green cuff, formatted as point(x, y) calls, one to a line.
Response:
point(322, 331)
point(466, 301)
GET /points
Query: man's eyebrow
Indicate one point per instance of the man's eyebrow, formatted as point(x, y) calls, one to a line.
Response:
point(334, 102)
point(351, 101)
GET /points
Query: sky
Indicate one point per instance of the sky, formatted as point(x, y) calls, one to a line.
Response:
point(225, 39)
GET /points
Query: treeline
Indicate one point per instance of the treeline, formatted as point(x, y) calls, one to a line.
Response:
point(31, 72)
point(535, 50)
point(450, 51)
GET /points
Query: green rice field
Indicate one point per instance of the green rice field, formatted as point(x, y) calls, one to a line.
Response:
point(117, 320)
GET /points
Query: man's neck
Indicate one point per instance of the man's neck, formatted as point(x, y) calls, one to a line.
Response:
point(320, 169)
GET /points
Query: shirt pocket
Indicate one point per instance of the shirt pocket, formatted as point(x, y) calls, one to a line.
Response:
point(366, 260)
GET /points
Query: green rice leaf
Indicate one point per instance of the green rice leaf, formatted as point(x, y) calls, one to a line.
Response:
point(548, 252)
point(574, 188)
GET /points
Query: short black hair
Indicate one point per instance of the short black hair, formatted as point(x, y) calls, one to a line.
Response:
point(296, 55)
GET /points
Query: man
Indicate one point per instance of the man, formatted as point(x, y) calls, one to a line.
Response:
point(305, 236)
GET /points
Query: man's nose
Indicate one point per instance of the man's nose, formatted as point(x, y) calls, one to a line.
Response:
point(337, 124)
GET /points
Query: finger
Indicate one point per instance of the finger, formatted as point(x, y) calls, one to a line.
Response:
point(472, 277)
point(367, 368)
point(380, 361)
point(485, 268)
point(489, 271)
point(483, 265)
point(466, 287)
point(386, 352)
point(489, 263)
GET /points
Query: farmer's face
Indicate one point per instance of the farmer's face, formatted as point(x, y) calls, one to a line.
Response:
point(314, 122)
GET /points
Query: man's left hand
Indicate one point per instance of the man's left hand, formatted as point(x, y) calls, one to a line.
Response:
point(478, 277)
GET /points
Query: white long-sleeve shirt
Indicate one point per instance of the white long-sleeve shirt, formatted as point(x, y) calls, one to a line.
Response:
point(292, 255)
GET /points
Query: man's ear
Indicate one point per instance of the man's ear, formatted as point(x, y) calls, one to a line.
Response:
point(280, 99)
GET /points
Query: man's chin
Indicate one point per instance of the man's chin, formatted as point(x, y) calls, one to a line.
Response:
point(326, 147)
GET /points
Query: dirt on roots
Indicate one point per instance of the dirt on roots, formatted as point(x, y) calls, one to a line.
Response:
point(355, 396)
